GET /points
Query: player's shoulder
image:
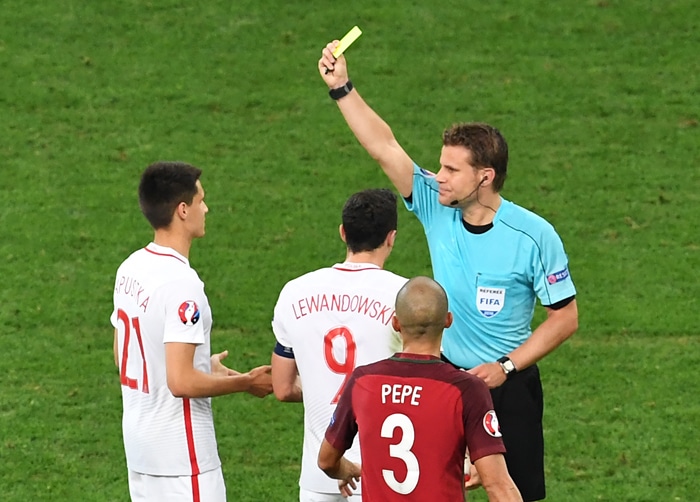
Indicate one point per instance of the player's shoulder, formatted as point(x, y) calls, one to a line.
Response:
point(523, 220)
point(392, 280)
point(374, 368)
point(333, 276)
point(302, 282)
point(157, 269)
point(457, 377)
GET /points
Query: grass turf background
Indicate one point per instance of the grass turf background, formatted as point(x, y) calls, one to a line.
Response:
point(597, 99)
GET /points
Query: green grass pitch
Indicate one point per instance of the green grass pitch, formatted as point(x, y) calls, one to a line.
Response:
point(599, 102)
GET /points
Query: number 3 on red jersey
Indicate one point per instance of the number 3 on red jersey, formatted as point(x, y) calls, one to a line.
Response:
point(346, 367)
point(132, 383)
point(402, 451)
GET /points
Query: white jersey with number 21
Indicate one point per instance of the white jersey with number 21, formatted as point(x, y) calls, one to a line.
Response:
point(334, 319)
point(159, 298)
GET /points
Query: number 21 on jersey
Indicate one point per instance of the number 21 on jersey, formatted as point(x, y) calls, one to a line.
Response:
point(130, 323)
point(335, 340)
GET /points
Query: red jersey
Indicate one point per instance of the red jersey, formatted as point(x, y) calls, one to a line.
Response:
point(416, 416)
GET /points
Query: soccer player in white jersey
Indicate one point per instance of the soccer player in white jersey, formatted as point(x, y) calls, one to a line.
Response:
point(162, 323)
point(330, 321)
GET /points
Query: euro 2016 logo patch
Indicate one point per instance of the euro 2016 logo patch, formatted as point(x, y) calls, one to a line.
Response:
point(189, 313)
point(491, 424)
point(490, 301)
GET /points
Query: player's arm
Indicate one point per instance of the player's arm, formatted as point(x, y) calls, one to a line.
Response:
point(332, 462)
point(371, 131)
point(560, 324)
point(187, 382)
point(285, 379)
point(495, 479)
point(116, 348)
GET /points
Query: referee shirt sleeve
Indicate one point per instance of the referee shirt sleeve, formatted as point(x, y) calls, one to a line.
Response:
point(423, 201)
point(552, 279)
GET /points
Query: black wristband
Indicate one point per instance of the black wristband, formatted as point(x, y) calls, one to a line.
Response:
point(508, 367)
point(341, 92)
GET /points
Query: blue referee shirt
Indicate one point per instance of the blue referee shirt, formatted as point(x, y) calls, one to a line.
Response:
point(491, 279)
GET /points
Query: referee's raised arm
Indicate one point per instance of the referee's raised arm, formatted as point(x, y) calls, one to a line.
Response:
point(371, 131)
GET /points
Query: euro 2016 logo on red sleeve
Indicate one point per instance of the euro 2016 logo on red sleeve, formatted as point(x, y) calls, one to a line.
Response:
point(189, 313)
point(491, 424)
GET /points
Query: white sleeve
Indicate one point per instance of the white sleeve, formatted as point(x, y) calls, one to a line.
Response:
point(279, 318)
point(183, 300)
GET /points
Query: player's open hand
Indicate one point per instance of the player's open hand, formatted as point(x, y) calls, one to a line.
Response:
point(333, 71)
point(217, 367)
point(491, 373)
point(260, 381)
point(347, 485)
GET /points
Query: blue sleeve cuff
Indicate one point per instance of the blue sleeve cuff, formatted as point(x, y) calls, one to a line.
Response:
point(283, 351)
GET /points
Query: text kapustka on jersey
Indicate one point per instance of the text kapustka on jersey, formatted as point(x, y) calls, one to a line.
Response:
point(131, 287)
point(359, 304)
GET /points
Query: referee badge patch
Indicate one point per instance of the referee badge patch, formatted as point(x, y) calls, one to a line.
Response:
point(491, 424)
point(490, 301)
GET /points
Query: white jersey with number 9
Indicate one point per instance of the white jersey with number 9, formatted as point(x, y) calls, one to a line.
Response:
point(334, 319)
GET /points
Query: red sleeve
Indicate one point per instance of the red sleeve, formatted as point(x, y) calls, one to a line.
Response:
point(343, 427)
point(481, 427)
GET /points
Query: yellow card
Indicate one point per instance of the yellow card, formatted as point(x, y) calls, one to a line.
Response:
point(347, 40)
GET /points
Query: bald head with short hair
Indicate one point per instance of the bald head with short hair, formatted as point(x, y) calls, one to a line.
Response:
point(421, 308)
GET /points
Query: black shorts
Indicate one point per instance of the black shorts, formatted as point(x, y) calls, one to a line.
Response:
point(519, 405)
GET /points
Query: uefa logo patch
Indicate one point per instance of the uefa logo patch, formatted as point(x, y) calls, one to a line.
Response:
point(558, 276)
point(491, 424)
point(189, 313)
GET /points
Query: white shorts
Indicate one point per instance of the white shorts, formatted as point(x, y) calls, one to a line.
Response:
point(309, 496)
point(206, 487)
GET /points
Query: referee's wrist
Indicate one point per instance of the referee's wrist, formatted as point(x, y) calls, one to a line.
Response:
point(341, 92)
point(508, 367)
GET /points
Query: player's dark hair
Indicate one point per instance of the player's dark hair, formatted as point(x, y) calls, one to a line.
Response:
point(486, 144)
point(163, 186)
point(368, 217)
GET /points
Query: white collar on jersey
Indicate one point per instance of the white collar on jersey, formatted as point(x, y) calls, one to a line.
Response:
point(354, 267)
point(166, 251)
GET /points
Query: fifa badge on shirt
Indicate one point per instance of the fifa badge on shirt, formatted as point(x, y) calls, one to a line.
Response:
point(189, 313)
point(490, 301)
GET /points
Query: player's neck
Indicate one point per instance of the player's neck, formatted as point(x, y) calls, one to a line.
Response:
point(374, 257)
point(483, 211)
point(173, 240)
point(426, 348)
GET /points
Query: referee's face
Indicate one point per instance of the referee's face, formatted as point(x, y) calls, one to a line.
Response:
point(457, 178)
